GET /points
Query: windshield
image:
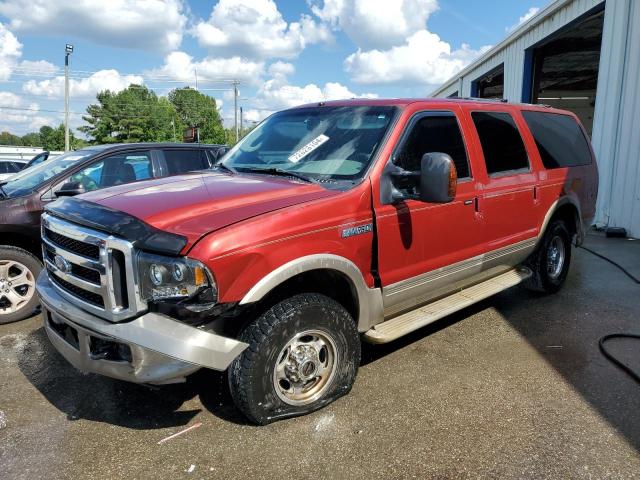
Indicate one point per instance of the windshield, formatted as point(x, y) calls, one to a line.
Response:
point(31, 178)
point(319, 143)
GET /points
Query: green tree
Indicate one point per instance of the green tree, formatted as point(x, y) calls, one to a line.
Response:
point(194, 108)
point(7, 138)
point(135, 114)
point(32, 139)
point(53, 138)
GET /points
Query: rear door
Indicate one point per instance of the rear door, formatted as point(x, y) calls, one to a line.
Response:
point(509, 201)
point(183, 160)
point(427, 247)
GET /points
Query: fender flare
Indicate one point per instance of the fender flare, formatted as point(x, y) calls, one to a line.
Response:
point(553, 209)
point(370, 310)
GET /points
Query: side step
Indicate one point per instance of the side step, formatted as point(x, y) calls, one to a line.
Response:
point(408, 322)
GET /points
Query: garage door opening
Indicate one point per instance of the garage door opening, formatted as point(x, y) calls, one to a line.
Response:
point(490, 85)
point(564, 69)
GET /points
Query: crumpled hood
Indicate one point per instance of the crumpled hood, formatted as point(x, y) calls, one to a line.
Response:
point(196, 204)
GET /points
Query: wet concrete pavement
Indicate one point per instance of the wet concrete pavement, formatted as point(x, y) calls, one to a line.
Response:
point(514, 387)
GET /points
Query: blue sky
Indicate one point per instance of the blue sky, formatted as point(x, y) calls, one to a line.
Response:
point(284, 52)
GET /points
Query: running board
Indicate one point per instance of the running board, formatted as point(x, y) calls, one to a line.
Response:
point(408, 322)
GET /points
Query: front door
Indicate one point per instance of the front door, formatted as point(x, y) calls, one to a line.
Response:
point(425, 248)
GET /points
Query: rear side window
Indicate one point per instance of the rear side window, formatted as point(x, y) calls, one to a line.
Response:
point(434, 133)
point(501, 142)
point(559, 139)
point(184, 160)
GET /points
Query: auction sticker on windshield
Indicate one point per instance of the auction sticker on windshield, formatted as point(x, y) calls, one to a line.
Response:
point(308, 148)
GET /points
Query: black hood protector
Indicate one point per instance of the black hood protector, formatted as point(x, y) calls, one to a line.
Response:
point(98, 217)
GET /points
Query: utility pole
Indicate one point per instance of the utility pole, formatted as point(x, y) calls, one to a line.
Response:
point(241, 121)
point(68, 50)
point(235, 108)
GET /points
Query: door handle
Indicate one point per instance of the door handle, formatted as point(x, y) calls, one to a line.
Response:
point(468, 202)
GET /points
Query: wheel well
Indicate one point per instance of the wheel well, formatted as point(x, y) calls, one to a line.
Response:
point(332, 283)
point(22, 241)
point(568, 213)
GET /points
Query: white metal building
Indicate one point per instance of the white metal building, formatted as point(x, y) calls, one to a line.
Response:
point(584, 56)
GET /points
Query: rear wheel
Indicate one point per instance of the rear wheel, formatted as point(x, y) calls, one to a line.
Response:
point(18, 273)
point(303, 354)
point(550, 262)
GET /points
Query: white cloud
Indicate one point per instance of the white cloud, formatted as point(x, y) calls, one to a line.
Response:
point(281, 68)
point(140, 24)
point(37, 67)
point(253, 115)
point(85, 87)
point(524, 18)
point(376, 23)
point(424, 59)
point(180, 66)
point(277, 93)
point(18, 116)
point(256, 29)
point(10, 52)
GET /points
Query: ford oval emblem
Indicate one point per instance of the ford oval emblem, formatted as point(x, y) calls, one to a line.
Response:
point(62, 264)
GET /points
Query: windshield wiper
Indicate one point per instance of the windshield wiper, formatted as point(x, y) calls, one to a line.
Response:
point(279, 172)
point(222, 166)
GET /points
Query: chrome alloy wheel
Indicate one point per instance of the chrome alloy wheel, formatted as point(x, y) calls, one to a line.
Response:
point(555, 257)
point(305, 367)
point(17, 286)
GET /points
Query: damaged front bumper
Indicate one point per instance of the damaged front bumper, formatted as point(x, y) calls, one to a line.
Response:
point(152, 348)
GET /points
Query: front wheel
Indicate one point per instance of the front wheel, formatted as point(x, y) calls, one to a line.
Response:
point(303, 354)
point(18, 273)
point(550, 262)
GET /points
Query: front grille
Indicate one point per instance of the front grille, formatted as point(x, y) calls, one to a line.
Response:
point(91, 267)
point(88, 274)
point(75, 246)
point(79, 271)
point(84, 295)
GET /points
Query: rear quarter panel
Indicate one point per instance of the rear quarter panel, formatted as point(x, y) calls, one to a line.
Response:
point(579, 184)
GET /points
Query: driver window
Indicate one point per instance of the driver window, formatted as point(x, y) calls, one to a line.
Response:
point(114, 170)
point(437, 133)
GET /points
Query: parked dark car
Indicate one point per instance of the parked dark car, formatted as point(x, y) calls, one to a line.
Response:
point(10, 166)
point(23, 197)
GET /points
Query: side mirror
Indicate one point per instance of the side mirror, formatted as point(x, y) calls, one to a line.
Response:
point(438, 178)
point(70, 189)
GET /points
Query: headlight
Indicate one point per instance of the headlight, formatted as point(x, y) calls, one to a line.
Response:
point(164, 278)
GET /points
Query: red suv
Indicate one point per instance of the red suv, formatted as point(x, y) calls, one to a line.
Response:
point(329, 223)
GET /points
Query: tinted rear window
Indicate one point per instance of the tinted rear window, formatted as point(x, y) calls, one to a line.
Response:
point(183, 160)
point(501, 142)
point(559, 139)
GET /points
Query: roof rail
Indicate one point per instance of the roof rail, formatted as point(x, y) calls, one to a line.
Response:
point(500, 100)
point(477, 99)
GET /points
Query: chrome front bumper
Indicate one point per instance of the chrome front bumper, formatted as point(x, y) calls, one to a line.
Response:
point(152, 348)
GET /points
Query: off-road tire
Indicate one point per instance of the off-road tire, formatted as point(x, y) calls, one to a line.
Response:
point(541, 280)
point(34, 265)
point(251, 375)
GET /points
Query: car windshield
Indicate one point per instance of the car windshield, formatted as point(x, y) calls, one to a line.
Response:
point(31, 178)
point(319, 143)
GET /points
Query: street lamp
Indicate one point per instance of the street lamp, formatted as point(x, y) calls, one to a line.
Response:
point(68, 50)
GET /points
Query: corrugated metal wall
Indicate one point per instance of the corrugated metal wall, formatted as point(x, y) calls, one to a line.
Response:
point(512, 55)
point(617, 112)
point(617, 118)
